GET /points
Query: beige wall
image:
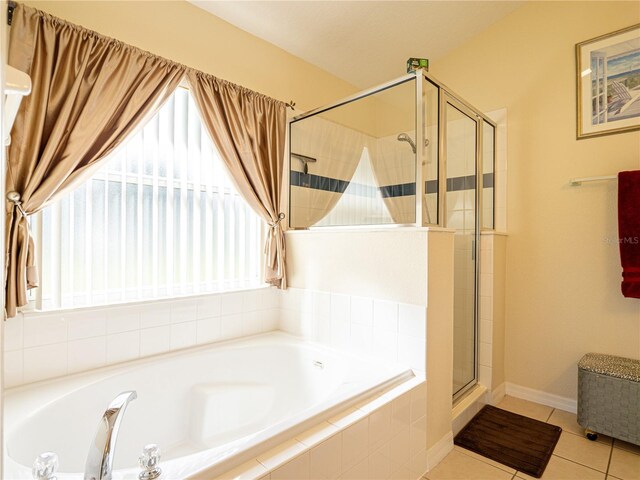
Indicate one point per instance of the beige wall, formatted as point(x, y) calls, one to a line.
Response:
point(181, 32)
point(563, 275)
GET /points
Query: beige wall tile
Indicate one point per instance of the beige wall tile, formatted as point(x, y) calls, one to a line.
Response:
point(296, 469)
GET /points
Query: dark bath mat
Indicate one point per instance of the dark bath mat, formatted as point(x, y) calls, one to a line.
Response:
point(511, 439)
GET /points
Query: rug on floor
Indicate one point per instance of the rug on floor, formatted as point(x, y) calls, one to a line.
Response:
point(514, 440)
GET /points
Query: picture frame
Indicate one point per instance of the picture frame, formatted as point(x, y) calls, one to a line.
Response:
point(608, 83)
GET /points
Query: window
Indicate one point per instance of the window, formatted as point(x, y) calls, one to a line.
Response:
point(159, 219)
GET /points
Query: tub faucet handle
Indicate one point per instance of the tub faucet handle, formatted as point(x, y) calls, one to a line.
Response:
point(45, 466)
point(149, 461)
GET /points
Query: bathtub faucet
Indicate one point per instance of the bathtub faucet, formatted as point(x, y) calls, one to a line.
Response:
point(102, 449)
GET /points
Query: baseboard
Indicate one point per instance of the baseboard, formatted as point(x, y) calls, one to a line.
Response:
point(538, 396)
point(440, 450)
point(498, 393)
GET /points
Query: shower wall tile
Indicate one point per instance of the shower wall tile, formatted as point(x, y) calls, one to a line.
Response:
point(85, 323)
point(380, 328)
point(385, 344)
point(484, 356)
point(251, 301)
point(155, 340)
point(340, 307)
point(86, 354)
point(231, 303)
point(377, 440)
point(385, 316)
point(44, 331)
point(123, 319)
point(362, 311)
point(208, 307)
point(123, 346)
point(88, 338)
point(13, 334)
point(411, 320)
point(183, 335)
point(183, 311)
point(13, 368)
point(155, 315)
point(322, 304)
point(296, 469)
point(44, 362)
point(231, 326)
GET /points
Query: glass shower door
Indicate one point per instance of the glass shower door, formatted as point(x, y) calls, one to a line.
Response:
point(461, 143)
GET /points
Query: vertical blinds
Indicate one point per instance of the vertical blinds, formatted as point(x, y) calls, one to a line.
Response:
point(160, 219)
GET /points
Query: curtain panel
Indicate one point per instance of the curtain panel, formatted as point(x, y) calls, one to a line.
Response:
point(89, 93)
point(248, 129)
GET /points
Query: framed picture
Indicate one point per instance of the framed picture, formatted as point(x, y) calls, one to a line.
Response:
point(608, 83)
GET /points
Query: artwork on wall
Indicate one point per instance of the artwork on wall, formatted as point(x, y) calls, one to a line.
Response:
point(608, 83)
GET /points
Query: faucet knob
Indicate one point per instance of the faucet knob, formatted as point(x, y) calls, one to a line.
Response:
point(149, 461)
point(45, 466)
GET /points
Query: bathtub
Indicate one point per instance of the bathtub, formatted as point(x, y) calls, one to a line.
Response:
point(208, 408)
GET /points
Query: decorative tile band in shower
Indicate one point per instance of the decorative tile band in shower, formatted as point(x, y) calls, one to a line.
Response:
point(317, 182)
point(455, 184)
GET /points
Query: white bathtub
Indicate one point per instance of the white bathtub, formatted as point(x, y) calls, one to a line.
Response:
point(208, 408)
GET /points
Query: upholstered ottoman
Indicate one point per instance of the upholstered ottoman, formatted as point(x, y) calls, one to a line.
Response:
point(609, 396)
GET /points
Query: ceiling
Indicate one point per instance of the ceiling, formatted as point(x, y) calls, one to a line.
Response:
point(362, 42)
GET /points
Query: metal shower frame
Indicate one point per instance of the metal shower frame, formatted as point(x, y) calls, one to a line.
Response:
point(445, 95)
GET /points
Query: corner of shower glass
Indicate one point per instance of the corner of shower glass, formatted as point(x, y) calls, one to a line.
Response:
point(355, 162)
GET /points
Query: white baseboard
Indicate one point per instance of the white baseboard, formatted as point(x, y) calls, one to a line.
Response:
point(498, 393)
point(440, 450)
point(538, 396)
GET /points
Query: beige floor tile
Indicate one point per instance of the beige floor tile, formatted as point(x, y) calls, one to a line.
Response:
point(569, 423)
point(485, 459)
point(580, 450)
point(458, 466)
point(526, 408)
point(625, 465)
point(603, 439)
point(567, 420)
point(629, 447)
point(560, 469)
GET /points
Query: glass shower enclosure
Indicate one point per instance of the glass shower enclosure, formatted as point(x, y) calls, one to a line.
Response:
point(405, 153)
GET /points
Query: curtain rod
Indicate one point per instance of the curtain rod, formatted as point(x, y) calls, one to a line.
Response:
point(11, 6)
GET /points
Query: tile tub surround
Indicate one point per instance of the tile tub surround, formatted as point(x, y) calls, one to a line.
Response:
point(382, 438)
point(43, 345)
point(387, 330)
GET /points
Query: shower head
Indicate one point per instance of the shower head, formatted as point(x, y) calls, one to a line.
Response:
point(403, 137)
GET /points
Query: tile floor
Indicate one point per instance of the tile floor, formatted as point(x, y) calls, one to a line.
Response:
point(574, 458)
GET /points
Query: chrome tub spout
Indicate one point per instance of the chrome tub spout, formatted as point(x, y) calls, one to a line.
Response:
point(102, 449)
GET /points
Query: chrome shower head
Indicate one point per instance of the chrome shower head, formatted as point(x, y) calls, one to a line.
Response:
point(403, 137)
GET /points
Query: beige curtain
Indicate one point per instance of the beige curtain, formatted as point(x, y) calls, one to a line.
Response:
point(248, 130)
point(89, 93)
point(393, 163)
point(337, 150)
